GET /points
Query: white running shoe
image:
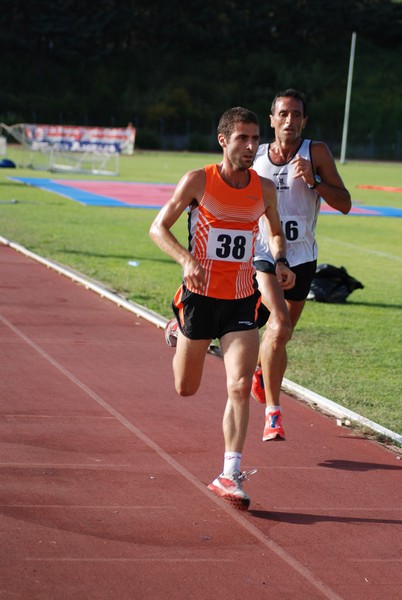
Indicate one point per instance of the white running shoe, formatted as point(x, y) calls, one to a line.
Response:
point(171, 332)
point(229, 488)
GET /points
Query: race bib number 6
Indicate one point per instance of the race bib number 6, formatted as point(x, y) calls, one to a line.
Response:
point(229, 244)
point(294, 228)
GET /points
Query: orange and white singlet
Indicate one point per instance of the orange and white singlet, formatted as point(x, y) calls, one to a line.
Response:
point(222, 232)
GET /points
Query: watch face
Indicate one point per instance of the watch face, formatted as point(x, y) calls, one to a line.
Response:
point(317, 180)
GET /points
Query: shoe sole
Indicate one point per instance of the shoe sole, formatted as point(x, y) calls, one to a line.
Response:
point(171, 341)
point(234, 501)
point(274, 436)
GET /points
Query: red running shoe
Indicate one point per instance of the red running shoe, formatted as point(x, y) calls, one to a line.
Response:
point(257, 386)
point(273, 427)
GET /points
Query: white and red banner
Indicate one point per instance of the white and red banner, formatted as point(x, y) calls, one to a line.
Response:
point(71, 138)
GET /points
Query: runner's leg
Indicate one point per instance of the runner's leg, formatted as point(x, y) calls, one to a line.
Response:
point(240, 352)
point(188, 364)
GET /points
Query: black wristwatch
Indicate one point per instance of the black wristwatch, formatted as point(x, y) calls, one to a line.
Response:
point(317, 181)
point(283, 260)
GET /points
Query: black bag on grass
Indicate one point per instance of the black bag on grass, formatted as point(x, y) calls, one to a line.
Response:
point(332, 284)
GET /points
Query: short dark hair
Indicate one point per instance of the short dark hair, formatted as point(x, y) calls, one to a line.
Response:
point(290, 93)
point(238, 114)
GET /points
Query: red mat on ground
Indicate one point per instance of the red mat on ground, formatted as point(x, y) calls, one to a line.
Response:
point(153, 195)
point(104, 471)
point(132, 194)
point(384, 188)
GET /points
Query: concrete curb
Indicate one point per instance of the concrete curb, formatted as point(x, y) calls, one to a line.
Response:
point(344, 415)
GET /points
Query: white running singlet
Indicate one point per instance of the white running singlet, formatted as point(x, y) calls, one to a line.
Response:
point(298, 208)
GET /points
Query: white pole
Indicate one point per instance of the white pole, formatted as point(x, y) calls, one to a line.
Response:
point(348, 93)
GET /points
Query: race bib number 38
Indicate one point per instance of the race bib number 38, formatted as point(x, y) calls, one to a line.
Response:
point(229, 244)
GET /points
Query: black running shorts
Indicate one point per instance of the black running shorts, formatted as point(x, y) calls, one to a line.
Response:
point(204, 318)
point(304, 276)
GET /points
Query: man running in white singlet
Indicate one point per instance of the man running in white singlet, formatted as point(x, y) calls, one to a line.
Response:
point(303, 171)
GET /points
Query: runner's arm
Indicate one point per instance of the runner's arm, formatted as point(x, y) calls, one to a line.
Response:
point(276, 239)
point(331, 188)
point(189, 188)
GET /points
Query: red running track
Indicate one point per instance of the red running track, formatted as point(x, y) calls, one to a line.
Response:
point(104, 471)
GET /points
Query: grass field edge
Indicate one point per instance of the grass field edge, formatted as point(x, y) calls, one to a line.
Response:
point(345, 417)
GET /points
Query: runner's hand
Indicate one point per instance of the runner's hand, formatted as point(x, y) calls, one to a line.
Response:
point(286, 278)
point(303, 168)
point(194, 275)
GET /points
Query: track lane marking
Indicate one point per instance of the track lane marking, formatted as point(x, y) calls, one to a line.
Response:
point(280, 552)
point(360, 249)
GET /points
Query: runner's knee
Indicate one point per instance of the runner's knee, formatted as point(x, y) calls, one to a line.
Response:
point(239, 389)
point(186, 388)
point(278, 333)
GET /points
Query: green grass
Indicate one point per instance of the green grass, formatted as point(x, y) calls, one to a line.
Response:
point(350, 353)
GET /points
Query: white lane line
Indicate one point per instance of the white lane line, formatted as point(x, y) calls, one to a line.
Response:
point(242, 521)
point(67, 417)
point(60, 467)
point(65, 507)
point(361, 249)
point(375, 560)
point(335, 509)
point(128, 560)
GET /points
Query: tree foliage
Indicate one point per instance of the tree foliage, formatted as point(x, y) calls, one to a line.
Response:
point(173, 67)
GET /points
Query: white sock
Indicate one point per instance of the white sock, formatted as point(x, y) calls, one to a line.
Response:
point(271, 409)
point(231, 462)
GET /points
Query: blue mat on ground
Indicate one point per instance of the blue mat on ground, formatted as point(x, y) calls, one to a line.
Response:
point(151, 195)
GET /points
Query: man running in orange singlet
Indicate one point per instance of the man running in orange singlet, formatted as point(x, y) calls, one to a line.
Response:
point(219, 297)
